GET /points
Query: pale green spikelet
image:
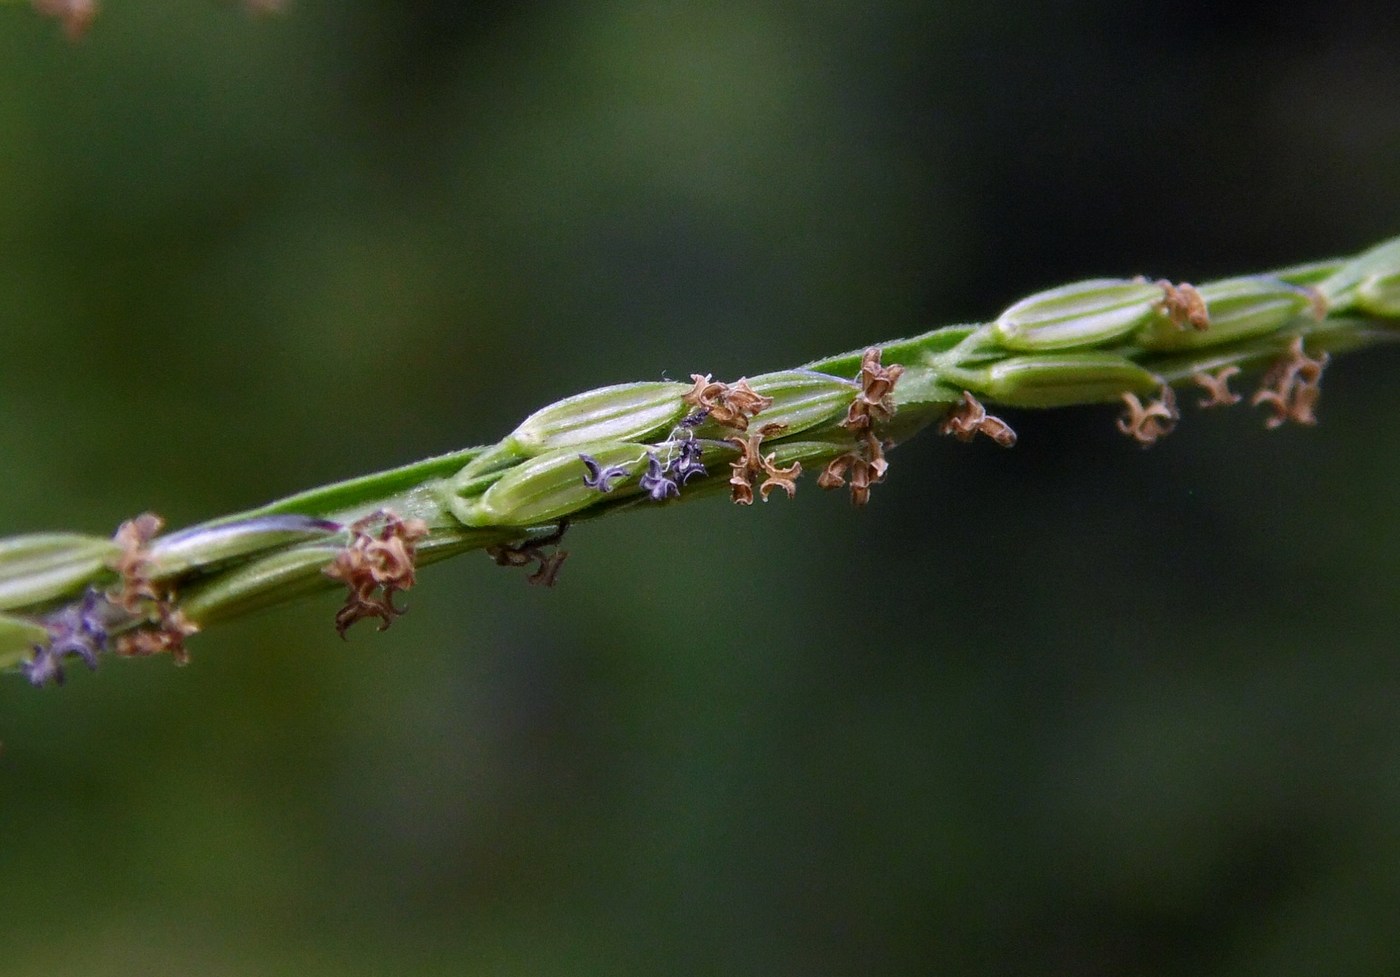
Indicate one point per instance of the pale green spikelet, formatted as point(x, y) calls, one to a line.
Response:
point(1059, 379)
point(1080, 315)
point(1236, 309)
point(625, 412)
point(802, 399)
point(547, 487)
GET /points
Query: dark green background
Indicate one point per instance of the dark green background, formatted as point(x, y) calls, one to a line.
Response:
point(1070, 709)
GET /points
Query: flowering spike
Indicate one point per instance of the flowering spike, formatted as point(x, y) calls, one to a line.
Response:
point(1088, 343)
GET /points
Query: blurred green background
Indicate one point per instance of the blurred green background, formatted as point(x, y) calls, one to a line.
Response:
point(1069, 709)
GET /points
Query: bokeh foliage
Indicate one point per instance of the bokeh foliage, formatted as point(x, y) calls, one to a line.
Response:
point(1069, 709)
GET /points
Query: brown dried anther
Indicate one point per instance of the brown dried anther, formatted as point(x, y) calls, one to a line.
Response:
point(1217, 387)
point(729, 406)
point(532, 551)
point(375, 565)
point(137, 591)
point(1146, 423)
point(165, 635)
point(969, 418)
point(866, 467)
point(1184, 305)
point(752, 464)
point(875, 402)
point(547, 574)
point(1292, 387)
point(165, 628)
point(779, 478)
point(833, 476)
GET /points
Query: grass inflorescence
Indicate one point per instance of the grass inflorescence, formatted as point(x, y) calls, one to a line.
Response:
point(70, 598)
